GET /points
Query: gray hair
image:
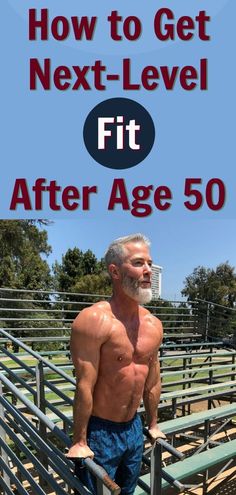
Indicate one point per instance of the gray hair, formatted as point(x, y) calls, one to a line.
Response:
point(115, 252)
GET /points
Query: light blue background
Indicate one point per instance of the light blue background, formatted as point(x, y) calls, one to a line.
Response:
point(41, 131)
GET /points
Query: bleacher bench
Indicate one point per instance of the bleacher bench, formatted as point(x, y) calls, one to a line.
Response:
point(188, 467)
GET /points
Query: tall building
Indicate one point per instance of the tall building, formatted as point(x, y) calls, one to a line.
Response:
point(156, 281)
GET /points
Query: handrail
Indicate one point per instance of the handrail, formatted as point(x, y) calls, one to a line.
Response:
point(32, 372)
point(167, 446)
point(40, 291)
point(215, 304)
point(55, 457)
point(38, 356)
point(97, 470)
point(156, 465)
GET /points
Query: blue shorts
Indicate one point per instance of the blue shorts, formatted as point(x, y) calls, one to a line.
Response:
point(118, 448)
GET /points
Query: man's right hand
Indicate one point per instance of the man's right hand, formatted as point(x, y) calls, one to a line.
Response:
point(79, 452)
point(156, 433)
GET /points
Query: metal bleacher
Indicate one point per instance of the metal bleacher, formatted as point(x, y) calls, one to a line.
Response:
point(37, 386)
point(36, 316)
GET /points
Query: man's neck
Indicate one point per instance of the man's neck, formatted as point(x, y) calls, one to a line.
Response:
point(124, 306)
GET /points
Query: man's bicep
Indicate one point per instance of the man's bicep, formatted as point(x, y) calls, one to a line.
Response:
point(154, 369)
point(85, 353)
point(159, 329)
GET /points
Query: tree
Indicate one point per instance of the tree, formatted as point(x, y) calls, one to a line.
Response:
point(97, 283)
point(80, 273)
point(218, 287)
point(75, 265)
point(22, 245)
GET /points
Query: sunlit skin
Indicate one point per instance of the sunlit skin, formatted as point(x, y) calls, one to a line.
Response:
point(114, 349)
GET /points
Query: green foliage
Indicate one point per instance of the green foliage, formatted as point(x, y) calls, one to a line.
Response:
point(80, 272)
point(36, 323)
point(218, 286)
point(22, 245)
point(74, 265)
point(94, 284)
point(174, 316)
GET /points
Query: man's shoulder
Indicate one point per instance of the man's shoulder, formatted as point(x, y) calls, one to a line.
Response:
point(151, 321)
point(94, 319)
point(149, 317)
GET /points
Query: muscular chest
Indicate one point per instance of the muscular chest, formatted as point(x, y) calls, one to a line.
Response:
point(126, 347)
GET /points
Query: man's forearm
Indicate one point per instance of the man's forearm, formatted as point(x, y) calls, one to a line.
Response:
point(82, 410)
point(151, 399)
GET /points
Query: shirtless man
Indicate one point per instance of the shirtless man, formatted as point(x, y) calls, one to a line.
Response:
point(114, 347)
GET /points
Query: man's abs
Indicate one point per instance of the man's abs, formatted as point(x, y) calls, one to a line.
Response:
point(117, 396)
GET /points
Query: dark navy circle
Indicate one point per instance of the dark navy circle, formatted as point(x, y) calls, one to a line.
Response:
point(122, 144)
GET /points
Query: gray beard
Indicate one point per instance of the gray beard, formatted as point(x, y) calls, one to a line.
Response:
point(131, 288)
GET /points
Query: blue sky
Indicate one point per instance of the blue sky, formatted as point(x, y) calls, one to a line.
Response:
point(177, 246)
point(42, 131)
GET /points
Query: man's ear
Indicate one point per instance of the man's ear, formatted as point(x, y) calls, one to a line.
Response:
point(114, 271)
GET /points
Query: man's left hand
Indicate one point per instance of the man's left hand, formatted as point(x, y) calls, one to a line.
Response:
point(155, 433)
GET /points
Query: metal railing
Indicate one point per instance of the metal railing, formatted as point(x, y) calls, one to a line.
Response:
point(40, 317)
point(36, 394)
point(216, 321)
point(42, 447)
point(34, 316)
point(32, 445)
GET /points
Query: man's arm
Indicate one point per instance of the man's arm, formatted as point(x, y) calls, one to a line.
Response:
point(86, 340)
point(152, 391)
